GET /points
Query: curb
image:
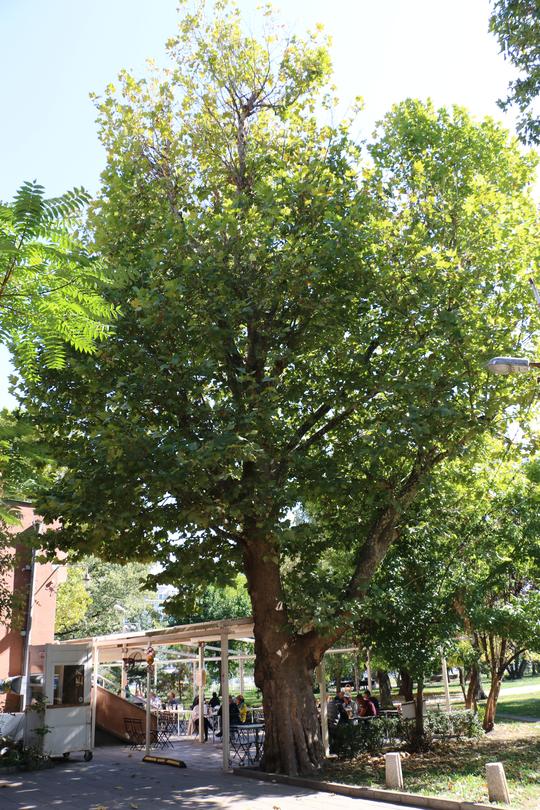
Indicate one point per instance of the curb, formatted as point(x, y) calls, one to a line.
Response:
point(375, 794)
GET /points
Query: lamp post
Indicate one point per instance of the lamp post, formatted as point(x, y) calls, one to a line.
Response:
point(511, 365)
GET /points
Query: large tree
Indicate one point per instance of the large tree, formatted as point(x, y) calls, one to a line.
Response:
point(303, 338)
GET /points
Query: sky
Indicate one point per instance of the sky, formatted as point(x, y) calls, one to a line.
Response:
point(53, 53)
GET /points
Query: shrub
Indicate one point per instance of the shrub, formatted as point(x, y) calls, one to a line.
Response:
point(348, 740)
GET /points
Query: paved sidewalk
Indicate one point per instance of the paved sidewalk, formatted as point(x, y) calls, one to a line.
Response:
point(117, 779)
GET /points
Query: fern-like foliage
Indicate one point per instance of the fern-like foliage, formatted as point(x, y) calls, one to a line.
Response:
point(50, 285)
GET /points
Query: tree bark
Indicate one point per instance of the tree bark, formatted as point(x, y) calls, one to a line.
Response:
point(472, 689)
point(385, 689)
point(284, 664)
point(406, 684)
point(491, 705)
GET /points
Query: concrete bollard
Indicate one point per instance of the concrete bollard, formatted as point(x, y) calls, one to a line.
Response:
point(393, 773)
point(496, 780)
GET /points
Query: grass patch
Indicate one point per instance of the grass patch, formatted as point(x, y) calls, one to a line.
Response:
point(457, 770)
point(525, 681)
point(525, 705)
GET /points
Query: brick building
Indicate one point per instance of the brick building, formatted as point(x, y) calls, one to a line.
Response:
point(34, 586)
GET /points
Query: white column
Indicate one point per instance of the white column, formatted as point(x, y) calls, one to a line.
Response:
point(123, 673)
point(194, 677)
point(369, 681)
point(93, 706)
point(321, 676)
point(241, 675)
point(446, 686)
point(225, 728)
point(155, 676)
point(148, 709)
point(201, 692)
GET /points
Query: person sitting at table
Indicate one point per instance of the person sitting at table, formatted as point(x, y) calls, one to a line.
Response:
point(214, 700)
point(172, 702)
point(234, 714)
point(336, 712)
point(377, 705)
point(155, 701)
point(365, 708)
point(348, 705)
point(242, 708)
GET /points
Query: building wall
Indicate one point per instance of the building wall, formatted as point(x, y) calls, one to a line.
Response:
point(47, 577)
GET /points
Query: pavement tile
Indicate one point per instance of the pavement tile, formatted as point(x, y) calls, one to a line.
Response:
point(117, 779)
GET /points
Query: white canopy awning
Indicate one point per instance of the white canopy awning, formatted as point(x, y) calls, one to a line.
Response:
point(112, 647)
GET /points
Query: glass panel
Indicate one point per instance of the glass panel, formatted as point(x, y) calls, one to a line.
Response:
point(68, 684)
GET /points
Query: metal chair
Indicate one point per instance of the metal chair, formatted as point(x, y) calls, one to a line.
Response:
point(135, 733)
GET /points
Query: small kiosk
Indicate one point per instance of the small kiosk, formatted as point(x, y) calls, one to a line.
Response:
point(63, 725)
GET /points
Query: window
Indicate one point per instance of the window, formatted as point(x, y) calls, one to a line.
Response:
point(68, 684)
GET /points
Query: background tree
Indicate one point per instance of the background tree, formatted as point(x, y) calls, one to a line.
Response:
point(72, 602)
point(106, 585)
point(466, 563)
point(412, 621)
point(304, 333)
point(228, 602)
point(502, 601)
point(516, 24)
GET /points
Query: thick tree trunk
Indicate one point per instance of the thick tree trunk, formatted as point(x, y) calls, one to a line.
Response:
point(293, 742)
point(385, 689)
point(284, 664)
point(406, 684)
point(491, 705)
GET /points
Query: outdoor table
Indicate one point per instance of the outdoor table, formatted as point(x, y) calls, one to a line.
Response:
point(181, 718)
point(356, 720)
point(244, 738)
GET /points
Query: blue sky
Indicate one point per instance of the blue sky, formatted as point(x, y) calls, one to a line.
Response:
point(55, 52)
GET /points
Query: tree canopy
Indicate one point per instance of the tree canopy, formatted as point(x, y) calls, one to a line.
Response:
point(304, 332)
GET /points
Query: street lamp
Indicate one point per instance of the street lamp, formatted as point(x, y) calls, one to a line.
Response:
point(510, 365)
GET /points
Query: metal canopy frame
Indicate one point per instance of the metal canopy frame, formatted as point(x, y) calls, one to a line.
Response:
point(111, 649)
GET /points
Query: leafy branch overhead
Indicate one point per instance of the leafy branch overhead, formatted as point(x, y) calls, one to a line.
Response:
point(51, 287)
point(516, 24)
